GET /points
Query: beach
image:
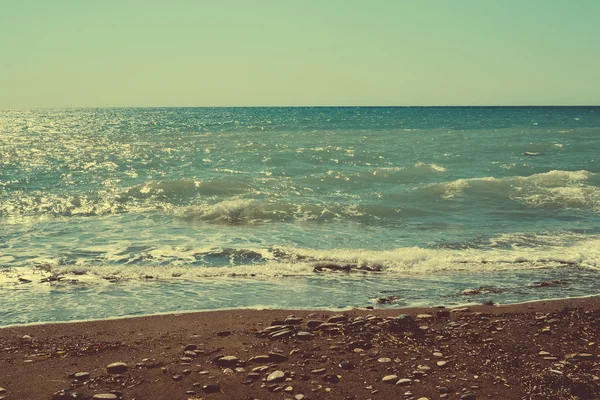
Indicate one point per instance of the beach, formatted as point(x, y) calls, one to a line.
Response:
point(537, 350)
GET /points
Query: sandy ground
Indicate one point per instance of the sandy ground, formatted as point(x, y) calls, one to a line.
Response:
point(542, 350)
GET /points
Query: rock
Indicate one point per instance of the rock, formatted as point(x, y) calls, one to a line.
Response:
point(443, 314)
point(293, 321)
point(312, 324)
point(543, 353)
point(177, 377)
point(441, 363)
point(468, 396)
point(117, 368)
point(227, 361)
point(253, 376)
point(304, 335)
point(190, 347)
point(442, 389)
point(105, 396)
point(424, 316)
point(281, 334)
point(299, 396)
point(337, 319)
point(404, 382)
point(277, 357)
point(2, 390)
point(347, 365)
point(331, 378)
point(276, 377)
point(318, 371)
point(80, 376)
point(211, 388)
point(384, 360)
point(26, 339)
point(223, 334)
point(438, 354)
point(390, 379)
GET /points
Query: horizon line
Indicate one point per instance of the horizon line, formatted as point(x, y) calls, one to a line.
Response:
point(309, 106)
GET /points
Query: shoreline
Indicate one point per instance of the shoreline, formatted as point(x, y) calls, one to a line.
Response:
point(299, 310)
point(540, 349)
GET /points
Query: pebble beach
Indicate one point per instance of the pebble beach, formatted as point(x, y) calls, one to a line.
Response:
point(538, 350)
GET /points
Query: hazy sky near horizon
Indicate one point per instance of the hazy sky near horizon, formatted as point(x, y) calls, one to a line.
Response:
point(313, 52)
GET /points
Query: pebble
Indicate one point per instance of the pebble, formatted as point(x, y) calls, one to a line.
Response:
point(347, 365)
point(26, 339)
point(312, 324)
point(390, 379)
point(384, 360)
point(81, 375)
point(403, 382)
point(275, 377)
point(438, 354)
point(227, 360)
point(2, 390)
point(277, 357)
point(211, 388)
point(190, 347)
point(424, 316)
point(543, 353)
point(318, 371)
point(304, 335)
point(299, 396)
point(468, 396)
point(105, 396)
point(337, 318)
point(117, 368)
point(441, 363)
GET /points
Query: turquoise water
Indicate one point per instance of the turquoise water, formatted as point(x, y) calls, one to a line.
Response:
point(113, 212)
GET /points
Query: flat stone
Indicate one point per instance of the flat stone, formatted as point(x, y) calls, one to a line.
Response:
point(177, 377)
point(384, 360)
point(337, 318)
point(390, 379)
point(80, 376)
point(304, 335)
point(331, 378)
point(190, 347)
point(211, 388)
point(441, 363)
point(312, 324)
point(281, 334)
point(543, 353)
point(404, 382)
point(468, 396)
point(260, 359)
point(105, 396)
point(117, 368)
point(277, 357)
point(347, 365)
point(293, 321)
point(299, 396)
point(424, 316)
point(276, 377)
point(227, 360)
point(318, 371)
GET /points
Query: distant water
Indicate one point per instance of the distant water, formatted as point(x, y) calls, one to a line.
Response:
point(114, 212)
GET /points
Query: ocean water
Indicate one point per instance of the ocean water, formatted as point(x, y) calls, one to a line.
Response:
point(117, 212)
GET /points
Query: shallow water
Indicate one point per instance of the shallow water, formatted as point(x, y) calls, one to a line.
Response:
point(140, 211)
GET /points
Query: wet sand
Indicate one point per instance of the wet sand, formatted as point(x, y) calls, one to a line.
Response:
point(541, 350)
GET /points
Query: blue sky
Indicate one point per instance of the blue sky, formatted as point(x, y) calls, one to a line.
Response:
point(275, 52)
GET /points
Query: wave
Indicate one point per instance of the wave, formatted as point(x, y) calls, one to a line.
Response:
point(200, 263)
point(554, 189)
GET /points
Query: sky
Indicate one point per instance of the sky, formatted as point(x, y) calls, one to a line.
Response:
point(129, 53)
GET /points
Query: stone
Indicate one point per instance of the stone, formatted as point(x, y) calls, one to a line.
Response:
point(441, 363)
point(227, 361)
point(177, 377)
point(337, 318)
point(390, 379)
point(312, 324)
point(190, 354)
point(26, 339)
point(117, 368)
point(424, 316)
point(190, 347)
point(404, 382)
point(468, 396)
point(281, 334)
point(80, 376)
point(2, 390)
point(318, 371)
point(293, 321)
point(260, 359)
point(438, 354)
point(331, 378)
point(299, 396)
point(211, 388)
point(443, 389)
point(347, 365)
point(223, 334)
point(384, 360)
point(276, 377)
point(543, 353)
point(277, 357)
point(304, 335)
point(105, 396)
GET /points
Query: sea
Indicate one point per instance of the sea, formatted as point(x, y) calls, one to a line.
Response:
point(116, 212)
